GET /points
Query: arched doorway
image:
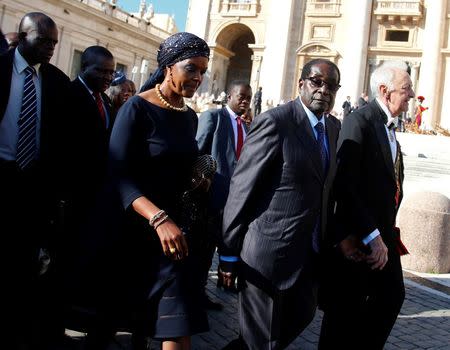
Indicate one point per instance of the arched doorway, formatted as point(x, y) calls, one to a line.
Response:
point(235, 39)
point(309, 52)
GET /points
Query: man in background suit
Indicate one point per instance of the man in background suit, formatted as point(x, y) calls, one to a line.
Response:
point(32, 114)
point(257, 101)
point(91, 125)
point(346, 107)
point(364, 289)
point(221, 133)
point(92, 122)
point(275, 217)
point(363, 100)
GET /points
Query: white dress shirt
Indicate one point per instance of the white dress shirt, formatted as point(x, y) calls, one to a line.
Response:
point(393, 145)
point(233, 117)
point(9, 128)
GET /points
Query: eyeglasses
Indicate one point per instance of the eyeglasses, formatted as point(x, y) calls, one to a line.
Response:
point(316, 82)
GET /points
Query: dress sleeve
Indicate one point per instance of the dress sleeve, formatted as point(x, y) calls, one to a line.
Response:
point(123, 152)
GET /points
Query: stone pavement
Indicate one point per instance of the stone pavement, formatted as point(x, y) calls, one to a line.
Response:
point(424, 321)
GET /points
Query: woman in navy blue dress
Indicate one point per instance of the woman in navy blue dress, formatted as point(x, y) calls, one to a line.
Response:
point(152, 152)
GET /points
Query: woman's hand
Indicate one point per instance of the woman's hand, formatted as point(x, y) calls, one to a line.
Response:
point(173, 243)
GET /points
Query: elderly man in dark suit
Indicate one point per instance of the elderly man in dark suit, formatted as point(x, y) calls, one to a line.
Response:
point(221, 133)
point(275, 217)
point(32, 114)
point(364, 289)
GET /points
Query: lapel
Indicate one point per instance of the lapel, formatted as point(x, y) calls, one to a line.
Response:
point(88, 101)
point(6, 67)
point(226, 122)
point(306, 136)
point(332, 135)
point(382, 138)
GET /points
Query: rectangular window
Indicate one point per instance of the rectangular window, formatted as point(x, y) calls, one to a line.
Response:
point(76, 64)
point(397, 35)
point(121, 68)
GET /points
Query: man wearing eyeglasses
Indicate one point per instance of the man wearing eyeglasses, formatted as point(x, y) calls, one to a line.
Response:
point(276, 213)
point(364, 289)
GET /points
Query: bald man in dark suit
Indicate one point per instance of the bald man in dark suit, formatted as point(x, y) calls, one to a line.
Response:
point(32, 127)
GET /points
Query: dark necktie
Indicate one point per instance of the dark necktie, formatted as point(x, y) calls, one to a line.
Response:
point(101, 110)
point(240, 137)
point(322, 148)
point(26, 145)
point(324, 160)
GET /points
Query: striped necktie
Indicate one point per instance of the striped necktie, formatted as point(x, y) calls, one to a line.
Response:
point(26, 145)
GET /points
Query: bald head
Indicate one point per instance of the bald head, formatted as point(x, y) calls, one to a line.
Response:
point(35, 20)
point(38, 36)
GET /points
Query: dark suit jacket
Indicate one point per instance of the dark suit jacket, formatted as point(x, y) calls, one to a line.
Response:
point(54, 86)
point(42, 186)
point(215, 136)
point(365, 180)
point(277, 191)
point(335, 121)
point(88, 142)
point(54, 120)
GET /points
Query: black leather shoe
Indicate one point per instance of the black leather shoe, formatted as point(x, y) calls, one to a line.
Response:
point(211, 305)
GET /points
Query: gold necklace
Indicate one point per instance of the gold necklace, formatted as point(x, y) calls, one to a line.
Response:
point(166, 103)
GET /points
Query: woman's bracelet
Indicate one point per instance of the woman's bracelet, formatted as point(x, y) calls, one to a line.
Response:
point(156, 217)
point(162, 220)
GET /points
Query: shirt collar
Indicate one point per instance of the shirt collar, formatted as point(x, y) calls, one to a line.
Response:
point(230, 111)
point(390, 119)
point(312, 117)
point(20, 63)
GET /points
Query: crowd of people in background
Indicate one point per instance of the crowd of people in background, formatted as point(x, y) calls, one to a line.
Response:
point(112, 203)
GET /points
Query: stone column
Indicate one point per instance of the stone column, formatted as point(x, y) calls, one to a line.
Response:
point(219, 59)
point(257, 59)
point(354, 63)
point(278, 27)
point(198, 18)
point(431, 68)
point(414, 75)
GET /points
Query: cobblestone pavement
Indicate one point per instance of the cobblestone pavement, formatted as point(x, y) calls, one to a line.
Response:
point(424, 323)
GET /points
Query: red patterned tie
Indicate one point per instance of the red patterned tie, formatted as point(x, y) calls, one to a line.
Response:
point(101, 110)
point(240, 137)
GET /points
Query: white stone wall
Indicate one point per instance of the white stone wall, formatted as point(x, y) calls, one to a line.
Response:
point(288, 33)
point(81, 24)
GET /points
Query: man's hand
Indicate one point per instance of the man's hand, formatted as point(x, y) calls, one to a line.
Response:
point(350, 249)
point(226, 275)
point(378, 256)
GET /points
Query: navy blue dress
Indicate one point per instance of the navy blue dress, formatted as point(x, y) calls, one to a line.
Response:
point(152, 151)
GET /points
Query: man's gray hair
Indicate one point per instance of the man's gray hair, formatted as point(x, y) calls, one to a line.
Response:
point(385, 74)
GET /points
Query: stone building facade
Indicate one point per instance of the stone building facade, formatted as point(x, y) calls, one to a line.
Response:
point(267, 42)
point(133, 38)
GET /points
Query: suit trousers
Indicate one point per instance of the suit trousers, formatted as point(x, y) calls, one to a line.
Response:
point(28, 306)
point(270, 318)
point(360, 305)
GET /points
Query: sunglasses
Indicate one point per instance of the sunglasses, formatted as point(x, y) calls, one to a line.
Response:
point(318, 83)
